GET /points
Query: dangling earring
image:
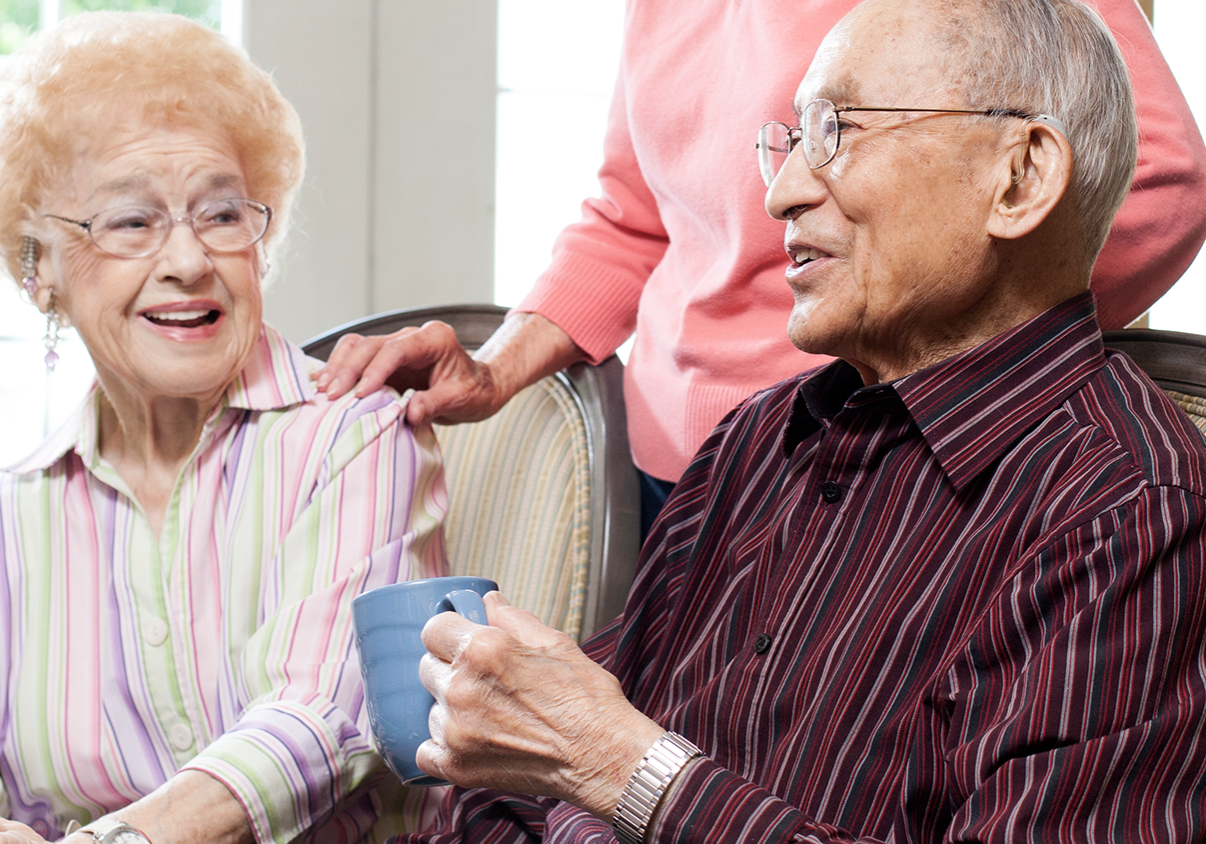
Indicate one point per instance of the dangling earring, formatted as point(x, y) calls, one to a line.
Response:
point(29, 271)
point(51, 340)
point(29, 265)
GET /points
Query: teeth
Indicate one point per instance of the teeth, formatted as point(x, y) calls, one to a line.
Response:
point(803, 255)
point(179, 316)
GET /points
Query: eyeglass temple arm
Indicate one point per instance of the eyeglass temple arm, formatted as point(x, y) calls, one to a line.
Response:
point(86, 225)
point(1050, 120)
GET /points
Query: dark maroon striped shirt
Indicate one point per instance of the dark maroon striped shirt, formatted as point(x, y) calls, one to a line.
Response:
point(968, 605)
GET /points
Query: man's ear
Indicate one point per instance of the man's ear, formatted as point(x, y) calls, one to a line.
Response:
point(1040, 172)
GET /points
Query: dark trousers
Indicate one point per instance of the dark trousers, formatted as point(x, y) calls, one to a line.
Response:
point(654, 493)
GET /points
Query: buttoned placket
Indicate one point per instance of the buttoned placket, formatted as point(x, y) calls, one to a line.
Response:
point(150, 605)
point(836, 458)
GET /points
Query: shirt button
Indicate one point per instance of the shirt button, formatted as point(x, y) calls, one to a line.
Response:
point(157, 632)
point(831, 492)
point(762, 643)
point(181, 736)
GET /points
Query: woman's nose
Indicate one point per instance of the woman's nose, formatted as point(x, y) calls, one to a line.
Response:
point(183, 259)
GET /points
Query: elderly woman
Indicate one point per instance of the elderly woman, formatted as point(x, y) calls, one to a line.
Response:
point(177, 563)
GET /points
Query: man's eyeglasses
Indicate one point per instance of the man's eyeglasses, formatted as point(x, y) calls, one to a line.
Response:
point(136, 231)
point(820, 131)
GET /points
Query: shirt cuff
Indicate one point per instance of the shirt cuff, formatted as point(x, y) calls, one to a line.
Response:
point(289, 764)
point(707, 796)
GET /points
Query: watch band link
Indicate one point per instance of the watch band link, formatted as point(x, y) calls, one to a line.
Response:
point(648, 784)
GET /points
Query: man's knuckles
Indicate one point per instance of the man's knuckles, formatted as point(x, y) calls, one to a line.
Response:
point(485, 651)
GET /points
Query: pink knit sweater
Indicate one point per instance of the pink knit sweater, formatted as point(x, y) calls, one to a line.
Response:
point(679, 247)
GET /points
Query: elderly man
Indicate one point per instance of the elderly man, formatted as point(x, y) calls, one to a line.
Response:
point(949, 587)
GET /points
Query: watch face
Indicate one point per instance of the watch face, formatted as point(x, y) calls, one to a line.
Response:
point(128, 836)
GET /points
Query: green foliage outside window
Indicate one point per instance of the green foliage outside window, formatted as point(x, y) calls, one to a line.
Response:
point(207, 11)
point(19, 18)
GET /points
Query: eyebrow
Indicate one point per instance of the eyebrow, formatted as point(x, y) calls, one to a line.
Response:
point(841, 93)
point(140, 181)
point(119, 185)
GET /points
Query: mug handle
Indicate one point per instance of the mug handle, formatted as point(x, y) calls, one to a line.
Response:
point(466, 602)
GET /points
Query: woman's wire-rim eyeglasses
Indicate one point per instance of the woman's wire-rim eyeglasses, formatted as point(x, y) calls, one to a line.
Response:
point(136, 231)
point(821, 132)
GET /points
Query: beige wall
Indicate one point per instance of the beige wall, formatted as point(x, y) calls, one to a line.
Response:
point(397, 98)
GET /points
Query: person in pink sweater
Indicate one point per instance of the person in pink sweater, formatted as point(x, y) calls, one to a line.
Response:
point(679, 249)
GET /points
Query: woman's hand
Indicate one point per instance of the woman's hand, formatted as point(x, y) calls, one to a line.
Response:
point(451, 385)
point(12, 832)
point(520, 707)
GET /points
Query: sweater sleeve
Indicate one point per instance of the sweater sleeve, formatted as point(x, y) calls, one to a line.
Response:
point(599, 267)
point(1162, 224)
point(300, 747)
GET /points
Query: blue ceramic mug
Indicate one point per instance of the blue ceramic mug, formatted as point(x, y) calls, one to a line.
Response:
point(389, 622)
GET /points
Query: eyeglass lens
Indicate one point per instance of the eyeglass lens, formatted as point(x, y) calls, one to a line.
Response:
point(774, 145)
point(226, 225)
point(821, 135)
point(818, 131)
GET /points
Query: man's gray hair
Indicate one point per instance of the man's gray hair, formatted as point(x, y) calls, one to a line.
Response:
point(1056, 57)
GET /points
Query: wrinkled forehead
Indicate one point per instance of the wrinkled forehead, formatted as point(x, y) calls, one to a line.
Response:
point(881, 54)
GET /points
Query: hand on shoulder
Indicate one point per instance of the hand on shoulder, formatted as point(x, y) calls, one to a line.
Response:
point(451, 386)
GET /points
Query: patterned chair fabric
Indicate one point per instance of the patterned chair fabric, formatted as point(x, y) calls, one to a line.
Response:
point(1194, 406)
point(543, 496)
point(521, 479)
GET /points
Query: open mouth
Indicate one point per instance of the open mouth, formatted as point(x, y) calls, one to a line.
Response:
point(184, 319)
point(807, 255)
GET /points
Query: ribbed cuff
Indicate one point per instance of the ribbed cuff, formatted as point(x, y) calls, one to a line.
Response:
point(596, 307)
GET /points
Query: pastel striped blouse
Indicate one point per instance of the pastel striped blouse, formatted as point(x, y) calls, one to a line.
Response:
point(225, 644)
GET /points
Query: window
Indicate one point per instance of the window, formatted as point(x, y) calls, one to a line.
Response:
point(557, 62)
point(1178, 27)
point(19, 18)
point(48, 400)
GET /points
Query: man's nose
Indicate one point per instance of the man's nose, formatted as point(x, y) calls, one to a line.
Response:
point(796, 186)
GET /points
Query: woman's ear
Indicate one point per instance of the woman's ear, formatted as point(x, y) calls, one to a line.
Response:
point(1039, 174)
point(45, 280)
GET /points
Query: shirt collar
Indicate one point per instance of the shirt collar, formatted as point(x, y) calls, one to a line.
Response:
point(276, 376)
point(971, 407)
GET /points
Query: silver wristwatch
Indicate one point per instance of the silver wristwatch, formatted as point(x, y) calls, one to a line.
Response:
point(648, 784)
point(113, 831)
